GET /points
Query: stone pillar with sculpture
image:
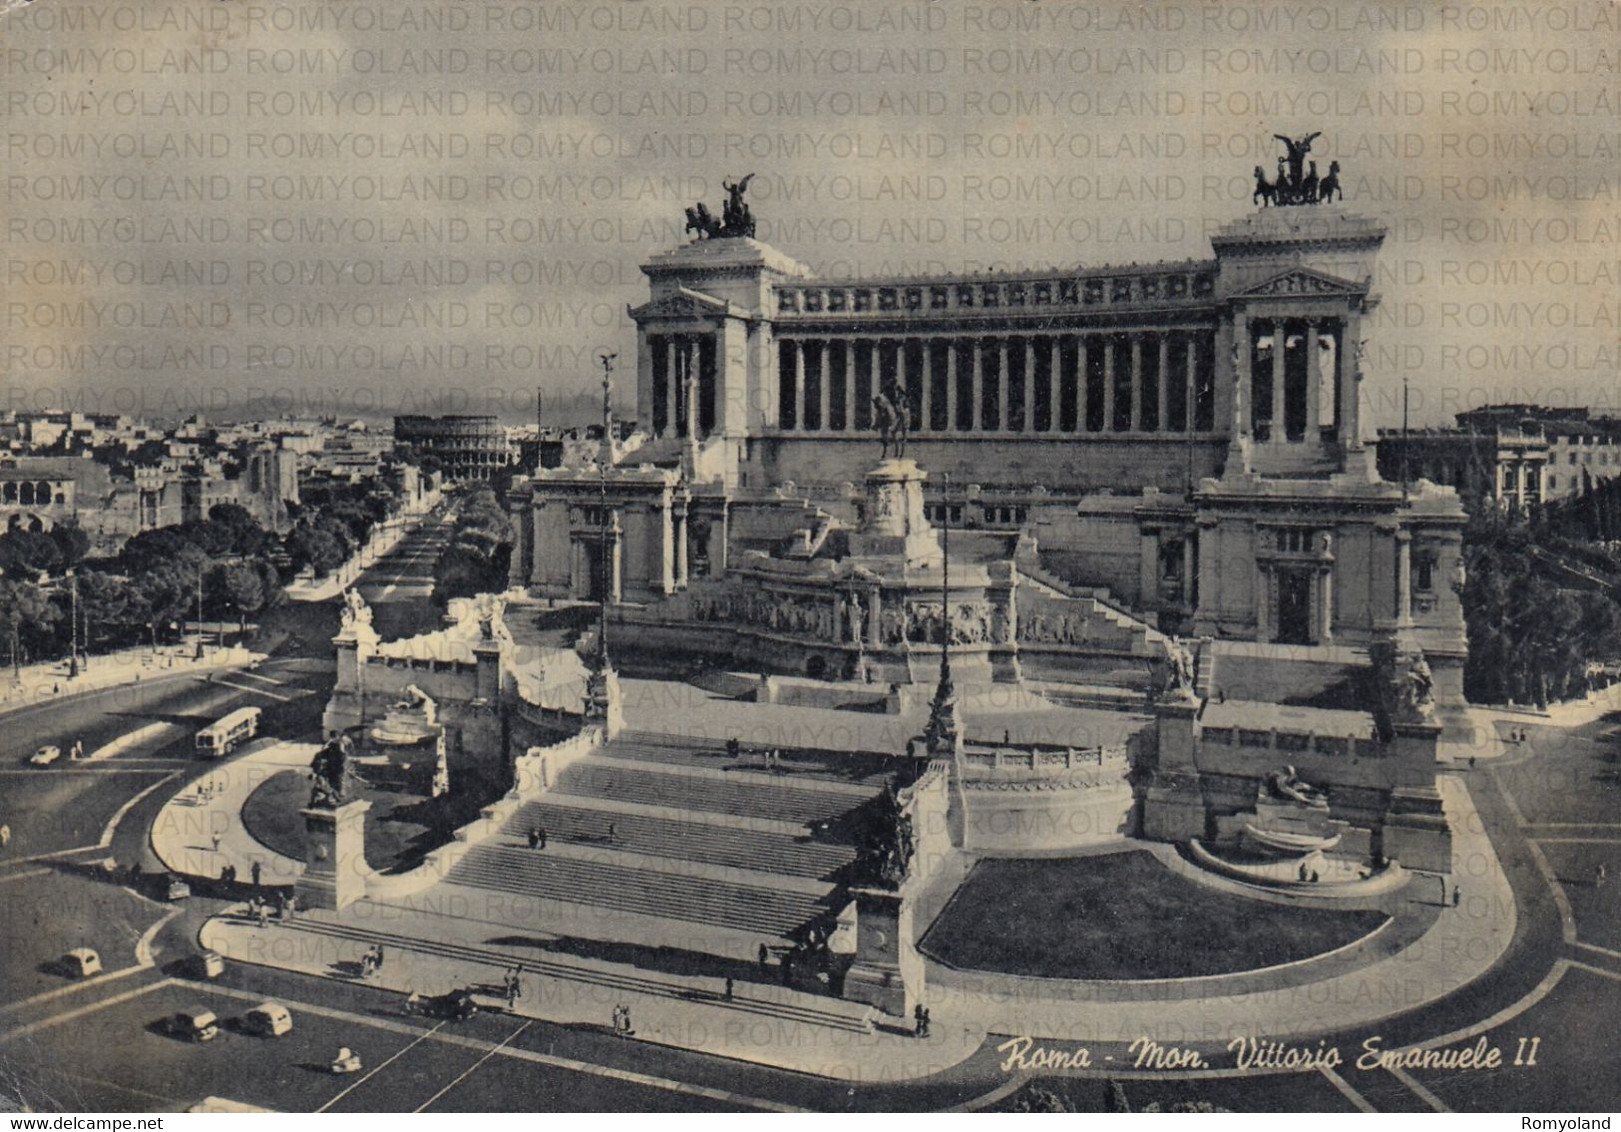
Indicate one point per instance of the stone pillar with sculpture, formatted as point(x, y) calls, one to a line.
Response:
point(1173, 805)
point(335, 869)
point(354, 645)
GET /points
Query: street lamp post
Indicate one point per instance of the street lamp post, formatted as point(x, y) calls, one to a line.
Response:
point(73, 614)
point(200, 611)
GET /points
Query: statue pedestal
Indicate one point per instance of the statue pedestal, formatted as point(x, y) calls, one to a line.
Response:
point(893, 525)
point(335, 869)
point(876, 977)
point(605, 702)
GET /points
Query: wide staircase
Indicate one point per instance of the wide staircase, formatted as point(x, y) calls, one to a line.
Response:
point(678, 829)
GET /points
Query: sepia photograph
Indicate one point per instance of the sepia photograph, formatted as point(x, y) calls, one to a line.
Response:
point(870, 557)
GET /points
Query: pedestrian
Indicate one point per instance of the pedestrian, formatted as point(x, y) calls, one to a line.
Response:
point(512, 990)
point(1600, 874)
point(1457, 895)
point(258, 871)
point(1007, 736)
point(765, 956)
point(918, 1025)
point(534, 839)
point(926, 1021)
point(613, 832)
point(216, 842)
point(264, 913)
point(1303, 870)
point(728, 988)
point(1471, 762)
point(292, 905)
point(379, 951)
point(5, 838)
point(541, 835)
point(1314, 877)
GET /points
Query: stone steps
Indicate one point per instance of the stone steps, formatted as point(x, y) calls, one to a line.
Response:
point(686, 840)
point(607, 884)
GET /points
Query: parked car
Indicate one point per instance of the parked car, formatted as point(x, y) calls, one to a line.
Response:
point(268, 1020)
point(174, 888)
point(197, 1024)
point(81, 963)
point(210, 964)
point(46, 755)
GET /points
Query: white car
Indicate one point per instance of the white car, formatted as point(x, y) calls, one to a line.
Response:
point(46, 755)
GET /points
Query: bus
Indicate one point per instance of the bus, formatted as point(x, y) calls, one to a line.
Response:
point(220, 737)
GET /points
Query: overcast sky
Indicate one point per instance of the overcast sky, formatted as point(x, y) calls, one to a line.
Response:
point(379, 207)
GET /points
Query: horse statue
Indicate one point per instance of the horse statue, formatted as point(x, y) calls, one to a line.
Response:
point(333, 774)
point(1265, 191)
point(1308, 186)
point(1330, 184)
point(700, 221)
point(892, 416)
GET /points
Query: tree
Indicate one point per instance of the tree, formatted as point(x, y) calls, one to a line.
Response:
point(239, 586)
point(167, 593)
point(29, 552)
point(316, 546)
point(24, 609)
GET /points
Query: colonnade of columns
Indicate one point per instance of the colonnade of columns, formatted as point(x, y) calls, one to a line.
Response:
point(684, 382)
point(1271, 415)
point(1153, 381)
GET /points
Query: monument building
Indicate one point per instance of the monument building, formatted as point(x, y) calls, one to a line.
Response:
point(1174, 447)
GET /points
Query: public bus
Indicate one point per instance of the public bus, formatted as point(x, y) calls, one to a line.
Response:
point(220, 737)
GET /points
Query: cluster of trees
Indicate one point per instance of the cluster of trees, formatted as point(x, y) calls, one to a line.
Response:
point(145, 593)
point(1542, 607)
point(149, 590)
point(335, 520)
point(480, 548)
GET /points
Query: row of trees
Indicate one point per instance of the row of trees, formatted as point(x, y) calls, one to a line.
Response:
point(480, 548)
point(148, 591)
point(1542, 607)
point(335, 520)
point(145, 593)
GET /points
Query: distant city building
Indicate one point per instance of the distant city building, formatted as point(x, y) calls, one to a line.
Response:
point(469, 447)
point(1520, 455)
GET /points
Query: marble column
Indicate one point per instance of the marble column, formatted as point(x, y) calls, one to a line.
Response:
point(1055, 385)
point(799, 385)
point(1108, 383)
point(1404, 578)
point(978, 406)
point(1002, 423)
point(825, 424)
point(1163, 387)
point(1348, 422)
point(1263, 602)
point(695, 378)
point(681, 549)
point(1280, 336)
point(951, 384)
point(925, 391)
point(849, 384)
point(1243, 388)
point(900, 364)
point(1192, 379)
point(1325, 633)
point(1029, 385)
point(1136, 383)
point(672, 383)
point(1314, 383)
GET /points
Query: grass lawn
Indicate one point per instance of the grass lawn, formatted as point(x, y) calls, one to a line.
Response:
point(400, 827)
point(1123, 916)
